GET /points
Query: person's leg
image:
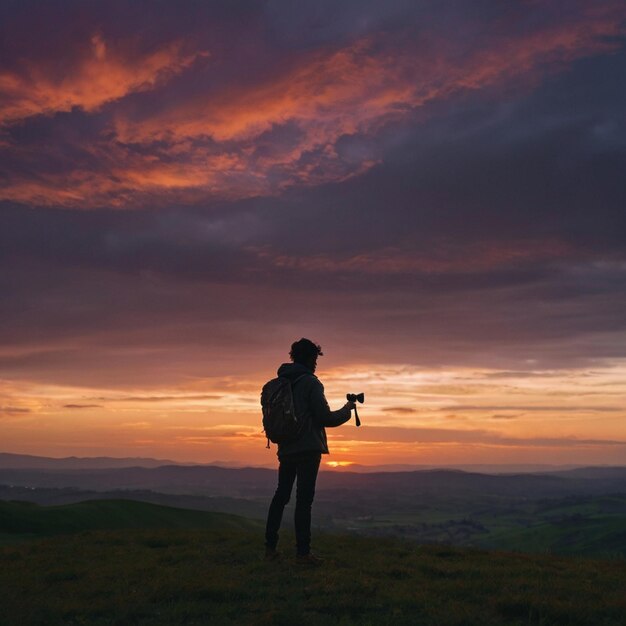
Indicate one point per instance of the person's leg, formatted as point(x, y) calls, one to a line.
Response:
point(286, 476)
point(307, 469)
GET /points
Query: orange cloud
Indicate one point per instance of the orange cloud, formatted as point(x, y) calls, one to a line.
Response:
point(334, 93)
point(42, 425)
point(355, 90)
point(321, 92)
point(218, 143)
point(472, 258)
point(126, 178)
point(104, 74)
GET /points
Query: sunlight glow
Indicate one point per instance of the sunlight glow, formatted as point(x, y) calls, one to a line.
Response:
point(410, 415)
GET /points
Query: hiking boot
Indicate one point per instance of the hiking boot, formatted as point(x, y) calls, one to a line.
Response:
point(271, 554)
point(309, 559)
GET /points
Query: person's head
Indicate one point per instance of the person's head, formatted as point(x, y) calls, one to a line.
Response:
point(305, 352)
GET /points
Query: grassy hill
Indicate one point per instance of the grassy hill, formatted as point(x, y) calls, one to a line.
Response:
point(215, 574)
point(27, 519)
point(575, 525)
point(602, 536)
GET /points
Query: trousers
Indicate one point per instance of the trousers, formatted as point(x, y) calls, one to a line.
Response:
point(304, 466)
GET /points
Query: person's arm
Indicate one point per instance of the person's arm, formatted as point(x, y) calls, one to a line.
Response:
point(321, 411)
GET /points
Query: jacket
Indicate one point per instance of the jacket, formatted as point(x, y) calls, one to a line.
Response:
point(311, 405)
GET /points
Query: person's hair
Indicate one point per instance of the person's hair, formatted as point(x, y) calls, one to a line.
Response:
point(305, 351)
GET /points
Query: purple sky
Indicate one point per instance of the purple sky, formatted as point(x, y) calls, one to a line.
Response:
point(421, 187)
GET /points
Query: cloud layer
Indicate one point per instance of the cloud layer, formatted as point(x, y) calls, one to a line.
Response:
point(433, 185)
point(180, 130)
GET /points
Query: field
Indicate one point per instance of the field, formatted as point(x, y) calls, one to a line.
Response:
point(580, 525)
point(215, 574)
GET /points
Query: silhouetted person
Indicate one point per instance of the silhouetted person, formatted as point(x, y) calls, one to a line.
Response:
point(301, 458)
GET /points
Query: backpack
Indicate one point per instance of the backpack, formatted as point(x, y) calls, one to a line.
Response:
point(280, 422)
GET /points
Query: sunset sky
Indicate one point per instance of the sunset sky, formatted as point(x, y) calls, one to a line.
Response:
point(434, 190)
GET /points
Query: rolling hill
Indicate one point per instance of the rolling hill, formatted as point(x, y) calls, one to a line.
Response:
point(140, 574)
point(255, 482)
point(17, 518)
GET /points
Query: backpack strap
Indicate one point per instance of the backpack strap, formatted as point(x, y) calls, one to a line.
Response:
point(293, 384)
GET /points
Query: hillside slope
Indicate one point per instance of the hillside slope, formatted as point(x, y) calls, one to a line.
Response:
point(602, 536)
point(217, 575)
point(28, 518)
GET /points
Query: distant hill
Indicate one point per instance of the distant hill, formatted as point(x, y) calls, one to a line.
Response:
point(594, 472)
point(27, 461)
point(50, 496)
point(205, 479)
point(482, 468)
point(259, 482)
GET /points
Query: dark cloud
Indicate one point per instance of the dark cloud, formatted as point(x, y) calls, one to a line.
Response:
point(479, 436)
point(163, 398)
point(481, 225)
point(13, 411)
point(560, 407)
point(189, 114)
point(82, 406)
point(520, 374)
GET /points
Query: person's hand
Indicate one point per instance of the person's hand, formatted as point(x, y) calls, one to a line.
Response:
point(350, 405)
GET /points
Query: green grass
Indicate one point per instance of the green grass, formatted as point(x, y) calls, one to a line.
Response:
point(602, 536)
point(218, 577)
point(215, 575)
point(25, 518)
point(583, 525)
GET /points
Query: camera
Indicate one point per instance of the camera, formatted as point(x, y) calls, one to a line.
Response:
point(356, 397)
